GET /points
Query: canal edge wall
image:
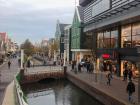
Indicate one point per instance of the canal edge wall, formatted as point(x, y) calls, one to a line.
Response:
point(101, 96)
point(14, 94)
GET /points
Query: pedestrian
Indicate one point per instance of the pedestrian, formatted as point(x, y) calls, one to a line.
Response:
point(79, 66)
point(88, 66)
point(19, 62)
point(110, 69)
point(91, 68)
point(125, 73)
point(9, 64)
point(108, 78)
point(72, 66)
point(130, 90)
point(130, 73)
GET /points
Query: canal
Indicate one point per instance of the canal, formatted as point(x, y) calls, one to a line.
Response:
point(57, 92)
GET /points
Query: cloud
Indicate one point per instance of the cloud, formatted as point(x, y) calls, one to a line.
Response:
point(33, 19)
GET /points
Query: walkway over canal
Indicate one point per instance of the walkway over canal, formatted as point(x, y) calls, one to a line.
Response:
point(36, 74)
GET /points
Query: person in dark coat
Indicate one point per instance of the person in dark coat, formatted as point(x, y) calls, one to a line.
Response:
point(108, 78)
point(130, 90)
point(125, 73)
point(9, 64)
point(130, 73)
point(88, 66)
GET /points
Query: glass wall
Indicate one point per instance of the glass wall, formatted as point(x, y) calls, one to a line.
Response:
point(130, 36)
point(107, 39)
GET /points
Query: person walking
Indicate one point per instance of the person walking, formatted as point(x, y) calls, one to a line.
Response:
point(9, 64)
point(108, 78)
point(125, 73)
point(130, 74)
point(130, 90)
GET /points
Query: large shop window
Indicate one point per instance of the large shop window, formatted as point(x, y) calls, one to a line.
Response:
point(136, 35)
point(126, 36)
point(107, 39)
point(100, 40)
point(130, 35)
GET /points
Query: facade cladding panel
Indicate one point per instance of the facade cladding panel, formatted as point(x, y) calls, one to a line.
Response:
point(98, 7)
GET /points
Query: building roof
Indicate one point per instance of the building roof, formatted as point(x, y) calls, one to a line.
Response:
point(80, 12)
point(62, 26)
point(4, 36)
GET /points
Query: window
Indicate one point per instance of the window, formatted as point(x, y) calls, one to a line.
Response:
point(130, 35)
point(114, 39)
point(107, 39)
point(136, 35)
point(100, 42)
point(126, 36)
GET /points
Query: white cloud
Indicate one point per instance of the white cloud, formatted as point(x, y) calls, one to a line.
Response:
point(34, 17)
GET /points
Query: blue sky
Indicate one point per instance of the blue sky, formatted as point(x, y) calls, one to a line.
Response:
point(34, 19)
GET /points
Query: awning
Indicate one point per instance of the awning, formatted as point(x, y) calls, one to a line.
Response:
point(131, 58)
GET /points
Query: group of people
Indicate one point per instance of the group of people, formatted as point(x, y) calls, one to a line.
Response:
point(127, 73)
point(83, 65)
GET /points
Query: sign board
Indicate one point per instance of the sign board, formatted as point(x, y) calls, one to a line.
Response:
point(106, 56)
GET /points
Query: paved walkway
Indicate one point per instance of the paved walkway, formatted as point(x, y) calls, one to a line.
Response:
point(99, 81)
point(7, 76)
point(9, 95)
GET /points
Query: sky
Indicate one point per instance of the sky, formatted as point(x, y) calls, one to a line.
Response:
point(34, 19)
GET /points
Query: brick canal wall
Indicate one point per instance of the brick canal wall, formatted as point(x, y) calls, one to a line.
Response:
point(101, 96)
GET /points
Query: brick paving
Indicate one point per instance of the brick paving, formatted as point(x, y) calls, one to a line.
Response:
point(99, 81)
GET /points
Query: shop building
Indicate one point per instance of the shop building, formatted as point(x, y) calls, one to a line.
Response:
point(115, 27)
point(80, 42)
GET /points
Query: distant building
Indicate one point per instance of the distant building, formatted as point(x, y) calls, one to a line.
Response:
point(59, 37)
point(67, 42)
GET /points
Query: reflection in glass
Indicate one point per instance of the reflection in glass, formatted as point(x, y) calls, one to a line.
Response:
point(107, 39)
point(129, 39)
point(114, 39)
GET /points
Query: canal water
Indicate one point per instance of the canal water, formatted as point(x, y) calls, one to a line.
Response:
point(57, 92)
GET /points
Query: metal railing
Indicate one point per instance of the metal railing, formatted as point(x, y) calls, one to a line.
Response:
point(20, 95)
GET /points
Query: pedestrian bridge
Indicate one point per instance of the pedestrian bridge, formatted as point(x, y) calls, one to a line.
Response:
point(36, 74)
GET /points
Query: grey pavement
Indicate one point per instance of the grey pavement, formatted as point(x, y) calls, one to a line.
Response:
point(99, 81)
point(7, 76)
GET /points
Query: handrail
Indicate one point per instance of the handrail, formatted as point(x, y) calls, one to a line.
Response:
point(20, 95)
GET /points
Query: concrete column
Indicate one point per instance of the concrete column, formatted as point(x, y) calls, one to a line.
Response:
point(22, 58)
point(64, 57)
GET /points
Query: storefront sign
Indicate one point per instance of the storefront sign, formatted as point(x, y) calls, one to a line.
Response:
point(100, 6)
point(106, 56)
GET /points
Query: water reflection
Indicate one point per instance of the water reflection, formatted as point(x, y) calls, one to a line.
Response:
point(57, 93)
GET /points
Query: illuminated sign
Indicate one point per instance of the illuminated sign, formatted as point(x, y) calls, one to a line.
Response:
point(106, 56)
